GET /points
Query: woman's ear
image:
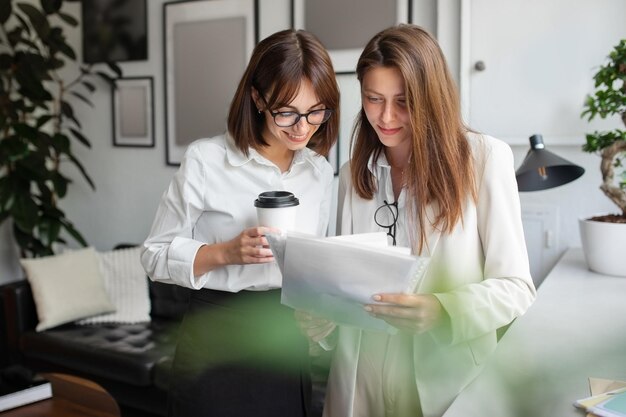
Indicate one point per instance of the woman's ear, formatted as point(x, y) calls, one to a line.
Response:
point(257, 99)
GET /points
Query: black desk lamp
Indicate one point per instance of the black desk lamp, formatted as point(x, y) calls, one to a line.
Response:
point(542, 169)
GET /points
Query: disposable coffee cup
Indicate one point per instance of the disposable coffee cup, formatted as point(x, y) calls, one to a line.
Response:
point(277, 209)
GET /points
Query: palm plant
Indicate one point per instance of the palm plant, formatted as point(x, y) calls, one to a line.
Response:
point(38, 125)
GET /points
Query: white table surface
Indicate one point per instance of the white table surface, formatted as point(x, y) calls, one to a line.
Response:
point(575, 329)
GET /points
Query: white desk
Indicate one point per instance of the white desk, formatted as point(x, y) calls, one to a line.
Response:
point(575, 329)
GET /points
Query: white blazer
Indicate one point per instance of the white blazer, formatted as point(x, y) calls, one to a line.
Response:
point(479, 273)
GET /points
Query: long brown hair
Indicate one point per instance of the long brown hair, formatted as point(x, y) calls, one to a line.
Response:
point(440, 169)
point(278, 65)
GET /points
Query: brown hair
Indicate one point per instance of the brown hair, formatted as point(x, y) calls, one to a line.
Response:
point(440, 165)
point(278, 65)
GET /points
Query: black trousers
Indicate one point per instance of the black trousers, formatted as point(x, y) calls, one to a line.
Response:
point(240, 354)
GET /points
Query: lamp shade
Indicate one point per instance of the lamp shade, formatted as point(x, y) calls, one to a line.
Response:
point(541, 169)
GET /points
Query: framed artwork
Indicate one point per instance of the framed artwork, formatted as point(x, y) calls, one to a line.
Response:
point(133, 112)
point(207, 46)
point(114, 30)
point(345, 26)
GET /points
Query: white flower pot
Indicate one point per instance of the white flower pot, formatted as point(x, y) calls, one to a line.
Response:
point(604, 245)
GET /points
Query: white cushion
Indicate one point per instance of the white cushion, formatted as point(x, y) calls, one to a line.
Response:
point(67, 287)
point(127, 285)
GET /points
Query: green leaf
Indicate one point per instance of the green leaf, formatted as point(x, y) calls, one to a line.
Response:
point(14, 148)
point(106, 77)
point(68, 111)
point(70, 20)
point(82, 170)
point(61, 143)
point(89, 86)
point(56, 63)
point(60, 184)
point(49, 230)
point(7, 195)
point(24, 25)
point(82, 97)
point(33, 167)
point(5, 11)
point(37, 19)
point(6, 61)
point(51, 6)
point(115, 68)
point(25, 131)
point(41, 121)
point(25, 212)
point(82, 139)
point(46, 196)
point(69, 227)
point(66, 50)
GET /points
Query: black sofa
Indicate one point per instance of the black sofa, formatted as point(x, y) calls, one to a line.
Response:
point(131, 361)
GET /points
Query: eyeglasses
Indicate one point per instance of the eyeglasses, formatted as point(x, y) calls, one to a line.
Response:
point(386, 216)
point(290, 118)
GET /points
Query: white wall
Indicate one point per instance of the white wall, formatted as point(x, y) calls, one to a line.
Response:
point(130, 181)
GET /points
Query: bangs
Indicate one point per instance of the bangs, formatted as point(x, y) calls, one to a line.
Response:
point(285, 90)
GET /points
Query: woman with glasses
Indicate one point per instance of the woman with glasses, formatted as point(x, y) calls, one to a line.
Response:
point(239, 351)
point(419, 174)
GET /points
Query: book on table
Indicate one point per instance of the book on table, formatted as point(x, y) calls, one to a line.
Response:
point(15, 396)
point(613, 406)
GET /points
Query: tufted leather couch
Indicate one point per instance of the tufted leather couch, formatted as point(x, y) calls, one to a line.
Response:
point(131, 361)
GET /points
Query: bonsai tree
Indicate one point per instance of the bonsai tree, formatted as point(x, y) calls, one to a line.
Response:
point(609, 99)
point(38, 126)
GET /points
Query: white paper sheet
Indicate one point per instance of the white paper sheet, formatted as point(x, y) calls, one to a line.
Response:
point(334, 277)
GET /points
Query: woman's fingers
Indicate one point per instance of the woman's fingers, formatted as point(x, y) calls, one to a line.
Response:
point(314, 328)
point(250, 247)
point(412, 312)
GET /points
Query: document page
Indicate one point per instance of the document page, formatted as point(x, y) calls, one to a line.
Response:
point(334, 277)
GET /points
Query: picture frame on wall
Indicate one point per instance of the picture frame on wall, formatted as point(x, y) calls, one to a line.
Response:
point(114, 30)
point(344, 29)
point(207, 46)
point(133, 112)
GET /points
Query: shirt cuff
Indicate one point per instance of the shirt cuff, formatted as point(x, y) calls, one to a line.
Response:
point(180, 257)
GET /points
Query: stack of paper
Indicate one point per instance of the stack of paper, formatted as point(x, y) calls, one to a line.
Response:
point(610, 403)
point(334, 277)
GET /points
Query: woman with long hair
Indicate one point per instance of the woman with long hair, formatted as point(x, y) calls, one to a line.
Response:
point(419, 174)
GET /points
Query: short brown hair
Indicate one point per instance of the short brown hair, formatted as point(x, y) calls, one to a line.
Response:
point(278, 65)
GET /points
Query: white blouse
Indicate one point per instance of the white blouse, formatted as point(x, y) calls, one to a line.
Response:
point(211, 200)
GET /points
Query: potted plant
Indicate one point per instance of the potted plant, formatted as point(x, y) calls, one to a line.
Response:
point(38, 125)
point(604, 236)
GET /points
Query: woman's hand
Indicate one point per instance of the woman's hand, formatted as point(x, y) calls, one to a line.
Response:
point(249, 247)
point(413, 313)
point(315, 329)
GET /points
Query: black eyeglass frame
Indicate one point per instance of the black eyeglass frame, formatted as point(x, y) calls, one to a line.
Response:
point(391, 229)
point(327, 114)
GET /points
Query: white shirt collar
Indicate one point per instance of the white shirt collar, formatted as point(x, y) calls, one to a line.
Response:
point(237, 158)
point(376, 166)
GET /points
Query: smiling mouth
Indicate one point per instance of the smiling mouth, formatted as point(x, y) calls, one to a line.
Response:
point(297, 138)
point(389, 131)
